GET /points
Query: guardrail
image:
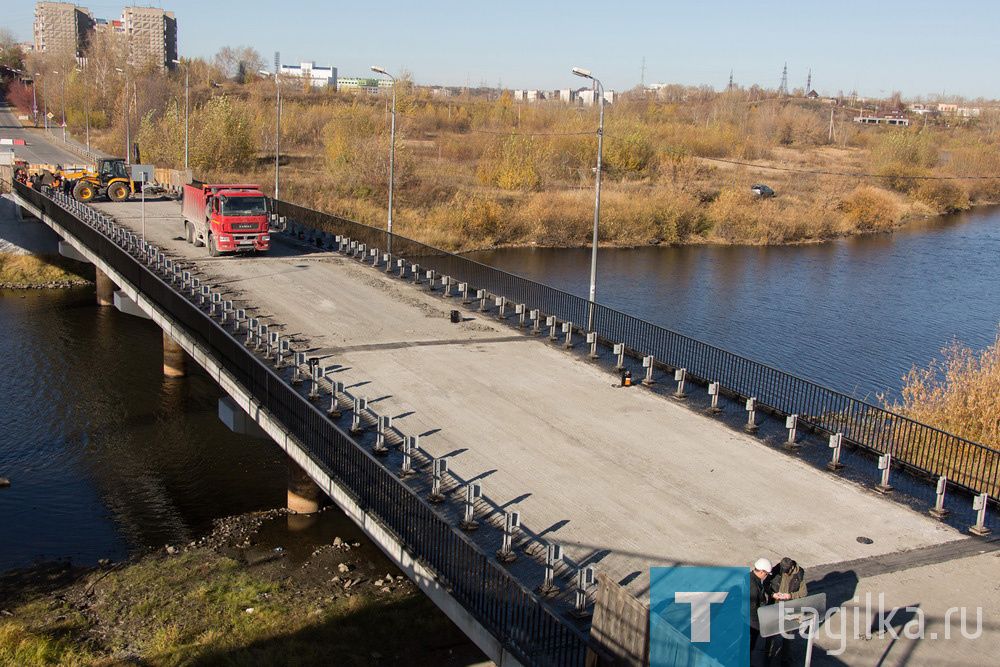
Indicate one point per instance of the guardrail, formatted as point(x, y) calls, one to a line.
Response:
point(924, 449)
point(512, 613)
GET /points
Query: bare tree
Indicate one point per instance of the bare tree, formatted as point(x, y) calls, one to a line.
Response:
point(240, 63)
point(10, 51)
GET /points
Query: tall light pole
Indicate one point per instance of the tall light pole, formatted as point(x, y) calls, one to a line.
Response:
point(392, 152)
point(34, 100)
point(63, 97)
point(597, 200)
point(187, 107)
point(128, 138)
point(277, 125)
point(45, 105)
point(86, 89)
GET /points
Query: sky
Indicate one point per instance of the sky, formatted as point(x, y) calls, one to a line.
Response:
point(917, 47)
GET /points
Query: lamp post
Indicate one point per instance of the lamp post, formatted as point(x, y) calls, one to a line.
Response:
point(63, 102)
point(597, 199)
point(277, 126)
point(128, 138)
point(45, 106)
point(392, 153)
point(34, 100)
point(86, 89)
point(187, 107)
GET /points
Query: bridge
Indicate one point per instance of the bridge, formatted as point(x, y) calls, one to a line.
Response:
point(622, 478)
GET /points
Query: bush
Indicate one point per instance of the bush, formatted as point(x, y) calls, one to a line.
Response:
point(514, 163)
point(871, 209)
point(944, 196)
point(960, 394)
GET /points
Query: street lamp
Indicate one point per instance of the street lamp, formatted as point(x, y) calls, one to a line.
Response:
point(63, 103)
point(125, 110)
point(597, 200)
point(277, 128)
point(86, 89)
point(392, 152)
point(34, 100)
point(187, 106)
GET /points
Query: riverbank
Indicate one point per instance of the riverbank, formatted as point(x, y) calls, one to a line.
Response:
point(232, 597)
point(19, 271)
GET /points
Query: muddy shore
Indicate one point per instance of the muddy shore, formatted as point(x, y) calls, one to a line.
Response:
point(262, 588)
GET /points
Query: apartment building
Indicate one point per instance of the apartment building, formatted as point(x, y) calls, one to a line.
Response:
point(152, 36)
point(62, 27)
point(66, 28)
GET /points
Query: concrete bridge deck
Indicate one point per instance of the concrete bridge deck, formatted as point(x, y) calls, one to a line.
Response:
point(620, 477)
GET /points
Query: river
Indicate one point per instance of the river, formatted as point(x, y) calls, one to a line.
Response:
point(854, 314)
point(107, 458)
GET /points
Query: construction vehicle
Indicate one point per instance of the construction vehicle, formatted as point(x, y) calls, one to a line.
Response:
point(226, 218)
point(111, 178)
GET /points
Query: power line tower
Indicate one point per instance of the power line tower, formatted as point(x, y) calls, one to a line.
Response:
point(642, 74)
point(783, 88)
point(809, 85)
point(729, 88)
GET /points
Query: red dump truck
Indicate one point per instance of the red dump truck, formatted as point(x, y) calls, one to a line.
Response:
point(226, 217)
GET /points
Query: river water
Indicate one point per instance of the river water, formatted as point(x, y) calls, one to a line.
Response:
point(854, 314)
point(107, 457)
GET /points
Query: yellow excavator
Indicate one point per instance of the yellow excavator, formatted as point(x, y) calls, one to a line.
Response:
point(111, 178)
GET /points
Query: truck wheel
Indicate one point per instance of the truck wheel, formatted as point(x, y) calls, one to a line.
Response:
point(213, 247)
point(84, 191)
point(195, 239)
point(188, 233)
point(117, 192)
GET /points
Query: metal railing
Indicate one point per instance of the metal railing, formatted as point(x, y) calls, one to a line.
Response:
point(513, 614)
point(925, 449)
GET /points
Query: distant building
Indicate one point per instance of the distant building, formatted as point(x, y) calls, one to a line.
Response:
point(588, 96)
point(947, 108)
point(66, 28)
point(315, 75)
point(152, 36)
point(61, 27)
point(358, 84)
point(566, 95)
point(887, 118)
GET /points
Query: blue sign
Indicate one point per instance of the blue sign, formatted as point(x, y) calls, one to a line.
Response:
point(699, 616)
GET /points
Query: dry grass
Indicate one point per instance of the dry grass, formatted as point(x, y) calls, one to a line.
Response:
point(17, 269)
point(463, 180)
point(959, 394)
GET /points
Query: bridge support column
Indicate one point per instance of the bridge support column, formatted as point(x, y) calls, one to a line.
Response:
point(304, 497)
point(173, 358)
point(105, 289)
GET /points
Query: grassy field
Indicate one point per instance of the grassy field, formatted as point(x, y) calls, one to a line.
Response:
point(480, 170)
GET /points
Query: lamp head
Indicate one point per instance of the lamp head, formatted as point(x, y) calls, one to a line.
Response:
point(585, 73)
point(380, 70)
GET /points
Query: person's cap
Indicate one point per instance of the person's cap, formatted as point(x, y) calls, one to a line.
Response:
point(762, 564)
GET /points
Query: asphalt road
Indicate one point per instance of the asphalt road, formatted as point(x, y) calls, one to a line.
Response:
point(37, 149)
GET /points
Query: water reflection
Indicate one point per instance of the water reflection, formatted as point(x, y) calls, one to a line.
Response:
point(105, 456)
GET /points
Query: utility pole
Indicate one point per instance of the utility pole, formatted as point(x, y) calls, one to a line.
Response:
point(831, 126)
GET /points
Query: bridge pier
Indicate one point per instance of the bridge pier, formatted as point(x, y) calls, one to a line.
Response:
point(304, 497)
point(173, 358)
point(105, 289)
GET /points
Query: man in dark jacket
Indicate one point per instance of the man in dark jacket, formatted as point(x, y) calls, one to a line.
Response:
point(787, 582)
